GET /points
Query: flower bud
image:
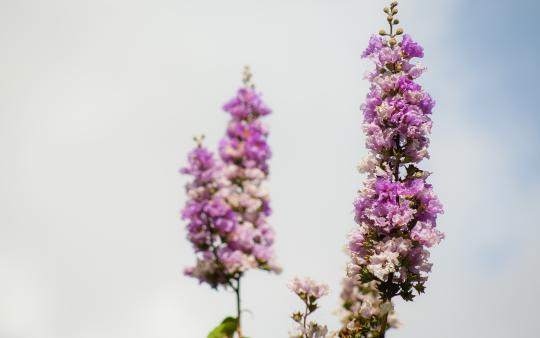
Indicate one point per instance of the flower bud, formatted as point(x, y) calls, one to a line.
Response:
point(392, 42)
point(399, 31)
point(394, 4)
point(394, 10)
point(297, 316)
point(396, 21)
point(382, 32)
point(390, 18)
point(386, 10)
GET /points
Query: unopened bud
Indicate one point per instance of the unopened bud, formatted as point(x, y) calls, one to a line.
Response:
point(399, 31)
point(297, 316)
point(386, 10)
point(390, 18)
point(394, 10)
point(394, 3)
point(382, 32)
point(392, 42)
point(396, 21)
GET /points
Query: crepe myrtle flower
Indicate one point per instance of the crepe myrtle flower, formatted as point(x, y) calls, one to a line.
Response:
point(396, 209)
point(244, 154)
point(309, 291)
point(228, 206)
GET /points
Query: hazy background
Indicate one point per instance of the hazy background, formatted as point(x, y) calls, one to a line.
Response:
point(98, 103)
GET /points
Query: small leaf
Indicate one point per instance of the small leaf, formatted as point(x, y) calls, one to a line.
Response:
point(420, 288)
point(227, 328)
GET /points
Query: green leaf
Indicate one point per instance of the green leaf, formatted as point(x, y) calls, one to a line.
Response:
point(226, 329)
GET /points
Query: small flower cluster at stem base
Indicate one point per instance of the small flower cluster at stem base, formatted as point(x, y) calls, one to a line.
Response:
point(363, 311)
point(309, 292)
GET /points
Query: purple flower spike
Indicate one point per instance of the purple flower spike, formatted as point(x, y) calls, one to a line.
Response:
point(396, 210)
point(227, 205)
point(396, 203)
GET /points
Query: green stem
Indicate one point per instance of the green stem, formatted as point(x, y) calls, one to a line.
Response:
point(238, 309)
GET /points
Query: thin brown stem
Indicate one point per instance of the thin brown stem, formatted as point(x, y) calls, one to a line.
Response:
point(306, 314)
point(382, 332)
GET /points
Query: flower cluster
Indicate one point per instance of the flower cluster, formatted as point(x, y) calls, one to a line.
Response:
point(309, 292)
point(210, 219)
point(228, 206)
point(396, 210)
point(363, 310)
point(245, 153)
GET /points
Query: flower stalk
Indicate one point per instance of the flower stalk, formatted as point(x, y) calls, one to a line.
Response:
point(396, 210)
point(228, 206)
point(309, 292)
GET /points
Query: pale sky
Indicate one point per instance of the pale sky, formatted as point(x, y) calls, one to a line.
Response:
point(100, 100)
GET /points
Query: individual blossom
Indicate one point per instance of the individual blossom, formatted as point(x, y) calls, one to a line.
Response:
point(375, 45)
point(308, 288)
point(309, 292)
point(411, 48)
point(396, 209)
